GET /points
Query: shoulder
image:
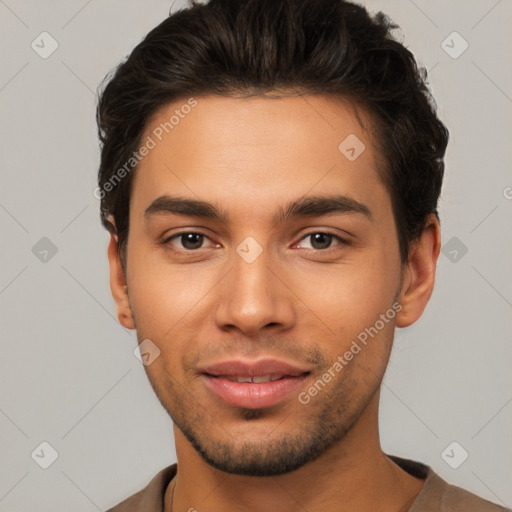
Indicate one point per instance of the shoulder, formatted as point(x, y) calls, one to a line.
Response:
point(456, 499)
point(149, 499)
point(129, 504)
point(437, 495)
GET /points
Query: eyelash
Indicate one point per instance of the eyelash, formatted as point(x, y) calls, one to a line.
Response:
point(170, 247)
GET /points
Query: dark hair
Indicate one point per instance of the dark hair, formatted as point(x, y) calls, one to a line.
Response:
point(253, 47)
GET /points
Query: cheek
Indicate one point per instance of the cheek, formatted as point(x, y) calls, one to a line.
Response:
point(351, 294)
point(349, 299)
point(164, 295)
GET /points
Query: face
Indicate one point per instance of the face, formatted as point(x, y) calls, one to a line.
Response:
point(232, 283)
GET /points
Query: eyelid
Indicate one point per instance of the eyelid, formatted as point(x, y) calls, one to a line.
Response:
point(341, 240)
point(168, 239)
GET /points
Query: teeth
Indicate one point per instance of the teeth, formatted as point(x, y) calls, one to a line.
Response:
point(264, 378)
point(254, 380)
point(242, 379)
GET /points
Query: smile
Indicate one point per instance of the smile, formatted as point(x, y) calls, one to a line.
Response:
point(253, 392)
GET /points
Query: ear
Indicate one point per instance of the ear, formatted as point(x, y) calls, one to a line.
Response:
point(118, 283)
point(419, 273)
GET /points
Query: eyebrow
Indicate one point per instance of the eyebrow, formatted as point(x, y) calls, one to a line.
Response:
point(306, 206)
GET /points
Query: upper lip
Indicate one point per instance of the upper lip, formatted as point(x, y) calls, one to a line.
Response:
point(262, 367)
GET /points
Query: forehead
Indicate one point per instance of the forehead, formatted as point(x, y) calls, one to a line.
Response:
point(270, 120)
point(222, 146)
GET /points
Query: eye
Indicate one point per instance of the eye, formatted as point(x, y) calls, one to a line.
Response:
point(322, 240)
point(188, 240)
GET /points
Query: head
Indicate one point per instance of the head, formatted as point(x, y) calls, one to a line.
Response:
point(269, 174)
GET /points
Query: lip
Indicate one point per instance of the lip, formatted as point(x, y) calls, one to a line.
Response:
point(253, 395)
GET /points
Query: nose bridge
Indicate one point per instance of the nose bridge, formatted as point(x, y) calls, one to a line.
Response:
point(253, 297)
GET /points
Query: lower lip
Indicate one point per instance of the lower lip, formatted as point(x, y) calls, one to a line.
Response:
point(253, 395)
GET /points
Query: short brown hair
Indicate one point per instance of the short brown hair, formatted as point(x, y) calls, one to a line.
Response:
point(251, 47)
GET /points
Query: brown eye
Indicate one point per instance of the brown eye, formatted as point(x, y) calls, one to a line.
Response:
point(186, 241)
point(191, 240)
point(320, 241)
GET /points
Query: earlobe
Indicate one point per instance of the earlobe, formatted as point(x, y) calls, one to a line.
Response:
point(419, 274)
point(118, 284)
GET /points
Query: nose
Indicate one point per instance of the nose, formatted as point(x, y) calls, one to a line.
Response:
point(254, 297)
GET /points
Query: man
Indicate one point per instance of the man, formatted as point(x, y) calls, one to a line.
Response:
point(269, 175)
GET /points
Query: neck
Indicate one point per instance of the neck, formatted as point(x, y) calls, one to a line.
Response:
point(354, 474)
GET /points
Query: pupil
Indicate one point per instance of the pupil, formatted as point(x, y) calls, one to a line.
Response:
point(321, 241)
point(195, 240)
point(192, 240)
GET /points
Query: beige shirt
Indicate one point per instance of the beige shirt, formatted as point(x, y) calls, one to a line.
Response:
point(436, 495)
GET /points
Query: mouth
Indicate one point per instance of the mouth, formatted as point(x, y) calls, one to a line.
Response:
point(253, 385)
point(253, 380)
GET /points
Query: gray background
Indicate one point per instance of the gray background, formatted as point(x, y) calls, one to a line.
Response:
point(68, 373)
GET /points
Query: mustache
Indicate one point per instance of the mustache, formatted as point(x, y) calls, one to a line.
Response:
point(263, 346)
